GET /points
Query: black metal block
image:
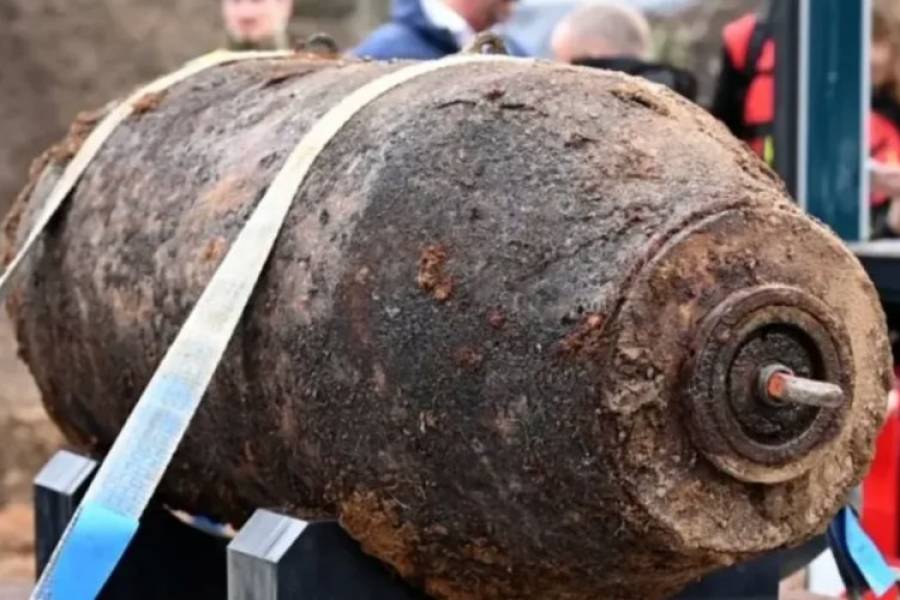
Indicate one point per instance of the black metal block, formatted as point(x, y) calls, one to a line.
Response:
point(757, 580)
point(167, 560)
point(58, 489)
point(279, 558)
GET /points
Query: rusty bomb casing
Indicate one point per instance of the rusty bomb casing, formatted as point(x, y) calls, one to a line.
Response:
point(511, 334)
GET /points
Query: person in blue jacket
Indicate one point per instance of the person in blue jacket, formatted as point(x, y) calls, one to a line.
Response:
point(427, 29)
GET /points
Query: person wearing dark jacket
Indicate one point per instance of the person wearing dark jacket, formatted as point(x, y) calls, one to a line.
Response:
point(616, 37)
point(428, 29)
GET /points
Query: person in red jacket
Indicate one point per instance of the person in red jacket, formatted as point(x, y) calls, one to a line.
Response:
point(885, 119)
point(745, 101)
point(745, 96)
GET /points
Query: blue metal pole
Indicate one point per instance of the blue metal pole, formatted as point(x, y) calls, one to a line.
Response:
point(834, 104)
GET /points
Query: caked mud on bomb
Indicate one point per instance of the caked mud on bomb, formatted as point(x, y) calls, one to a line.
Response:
point(512, 334)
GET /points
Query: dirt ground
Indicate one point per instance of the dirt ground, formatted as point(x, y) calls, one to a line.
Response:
point(28, 439)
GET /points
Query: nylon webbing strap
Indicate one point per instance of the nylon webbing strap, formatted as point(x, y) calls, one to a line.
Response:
point(108, 517)
point(94, 142)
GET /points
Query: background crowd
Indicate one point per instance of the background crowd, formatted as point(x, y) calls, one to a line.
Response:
point(616, 35)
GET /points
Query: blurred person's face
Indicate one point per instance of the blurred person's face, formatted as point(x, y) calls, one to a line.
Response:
point(483, 14)
point(566, 49)
point(499, 10)
point(253, 21)
point(882, 60)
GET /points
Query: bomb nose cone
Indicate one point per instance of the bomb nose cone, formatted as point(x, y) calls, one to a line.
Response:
point(769, 386)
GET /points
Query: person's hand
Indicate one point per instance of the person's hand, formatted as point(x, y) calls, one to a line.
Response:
point(885, 178)
point(893, 217)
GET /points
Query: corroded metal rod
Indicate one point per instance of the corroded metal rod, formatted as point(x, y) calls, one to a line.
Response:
point(780, 384)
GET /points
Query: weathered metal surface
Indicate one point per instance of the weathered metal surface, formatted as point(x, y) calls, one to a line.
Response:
point(510, 334)
point(780, 385)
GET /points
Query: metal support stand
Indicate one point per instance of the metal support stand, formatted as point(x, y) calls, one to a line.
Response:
point(58, 489)
point(756, 580)
point(275, 557)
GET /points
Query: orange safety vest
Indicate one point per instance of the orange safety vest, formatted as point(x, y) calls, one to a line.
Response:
point(884, 137)
point(751, 50)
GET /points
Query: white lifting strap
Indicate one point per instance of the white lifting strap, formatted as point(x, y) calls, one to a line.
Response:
point(101, 133)
point(135, 465)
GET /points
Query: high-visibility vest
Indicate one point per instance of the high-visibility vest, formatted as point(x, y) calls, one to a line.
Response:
point(884, 138)
point(751, 49)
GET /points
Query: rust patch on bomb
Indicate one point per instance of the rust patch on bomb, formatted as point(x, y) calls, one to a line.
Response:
point(497, 319)
point(479, 589)
point(640, 96)
point(587, 337)
point(483, 552)
point(432, 276)
point(468, 358)
point(213, 250)
point(147, 103)
point(377, 526)
point(79, 131)
point(227, 194)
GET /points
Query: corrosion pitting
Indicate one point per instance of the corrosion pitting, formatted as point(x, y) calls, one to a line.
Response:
point(432, 276)
point(587, 337)
point(148, 102)
point(214, 250)
point(497, 319)
point(79, 131)
point(468, 358)
point(377, 526)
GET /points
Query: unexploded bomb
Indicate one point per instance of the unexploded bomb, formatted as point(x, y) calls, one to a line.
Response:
point(512, 333)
